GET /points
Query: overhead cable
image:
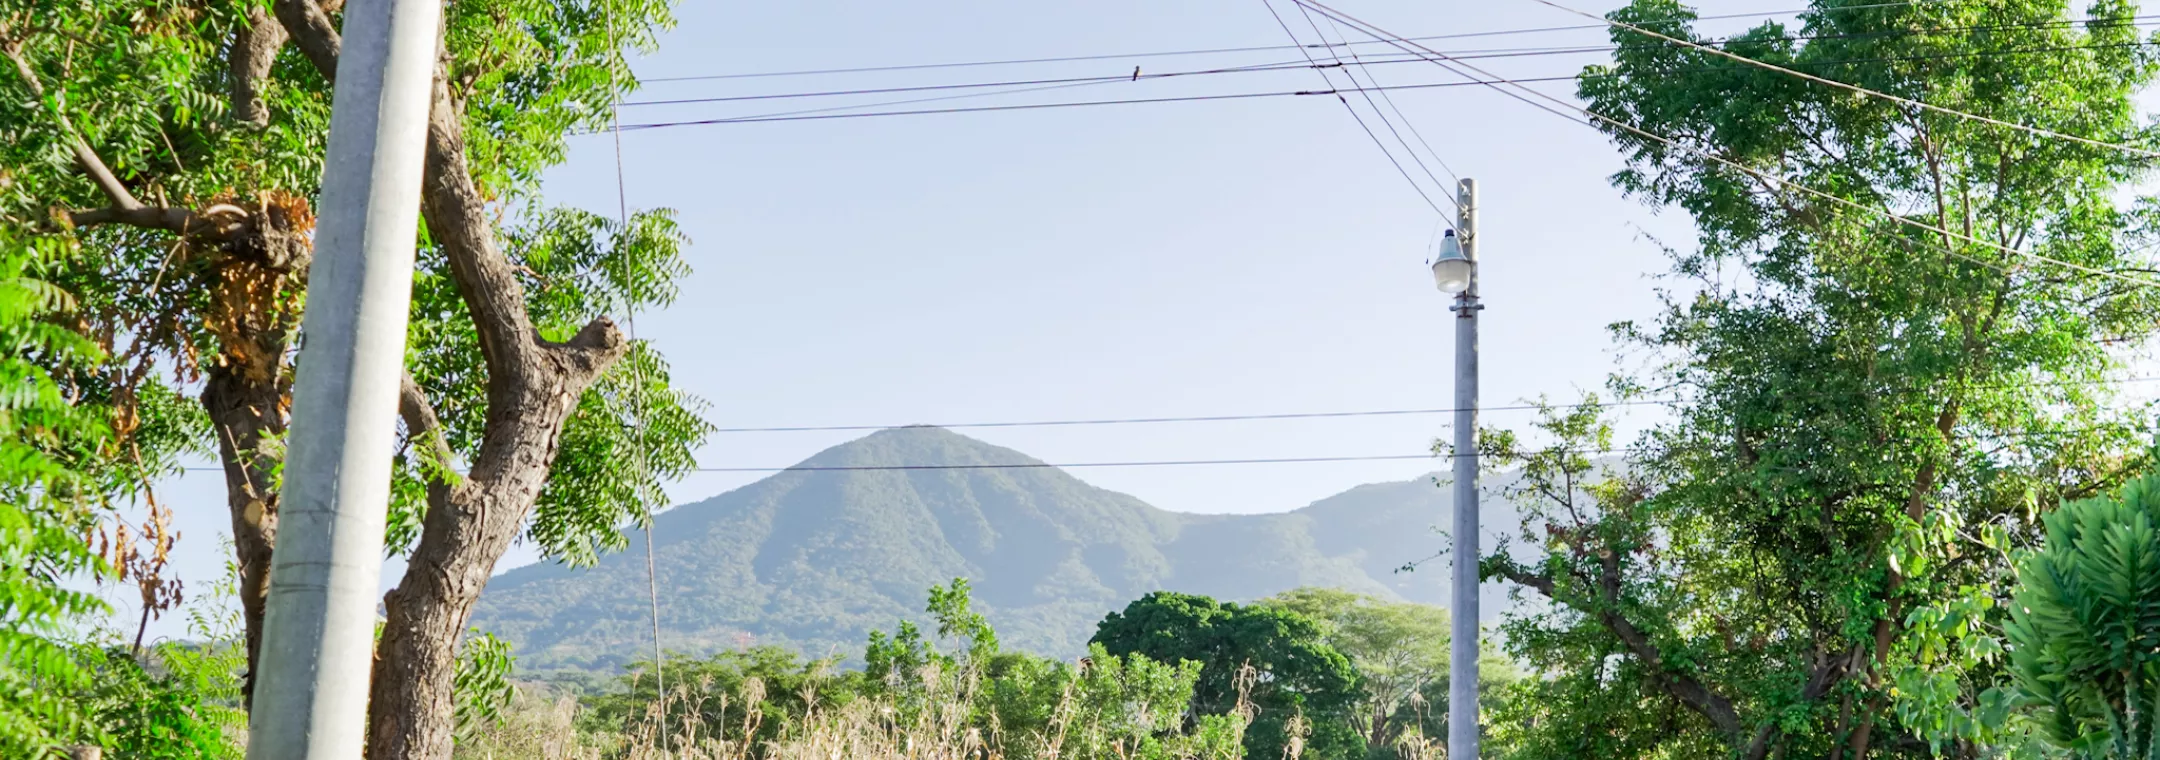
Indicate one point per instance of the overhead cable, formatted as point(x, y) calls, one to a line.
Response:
point(1358, 59)
point(1208, 51)
point(1468, 81)
point(1324, 415)
point(1901, 100)
point(1361, 119)
point(1495, 81)
point(1067, 465)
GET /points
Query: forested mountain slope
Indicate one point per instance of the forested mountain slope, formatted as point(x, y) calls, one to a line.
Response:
point(816, 558)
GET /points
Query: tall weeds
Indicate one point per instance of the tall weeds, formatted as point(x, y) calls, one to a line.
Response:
point(936, 716)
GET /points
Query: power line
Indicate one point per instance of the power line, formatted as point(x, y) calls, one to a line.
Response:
point(1209, 51)
point(1444, 189)
point(1321, 415)
point(1360, 119)
point(1108, 79)
point(1068, 465)
point(1496, 80)
point(2029, 434)
point(1382, 59)
point(1468, 81)
point(1214, 462)
point(981, 109)
point(637, 406)
point(1159, 420)
point(2039, 131)
point(1390, 101)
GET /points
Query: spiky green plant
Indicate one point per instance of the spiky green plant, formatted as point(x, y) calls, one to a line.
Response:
point(2085, 627)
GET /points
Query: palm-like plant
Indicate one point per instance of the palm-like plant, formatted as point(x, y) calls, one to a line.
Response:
point(2085, 626)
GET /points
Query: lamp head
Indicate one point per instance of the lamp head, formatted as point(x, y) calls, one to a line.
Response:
point(1452, 270)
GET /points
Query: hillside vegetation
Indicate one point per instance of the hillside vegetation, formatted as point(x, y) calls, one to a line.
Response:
point(815, 559)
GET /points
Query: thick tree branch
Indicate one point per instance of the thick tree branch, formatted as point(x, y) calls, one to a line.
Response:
point(1689, 690)
point(254, 49)
point(458, 220)
point(311, 29)
point(84, 156)
point(222, 221)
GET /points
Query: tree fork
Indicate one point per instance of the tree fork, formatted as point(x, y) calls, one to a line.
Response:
point(532, 387)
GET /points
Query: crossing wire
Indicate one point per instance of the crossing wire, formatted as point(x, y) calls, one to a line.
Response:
point(1359, 60)
point(1327, 415)
point(1496, 81)
point(1468, 81)
point(1921, 104)
point(1374, 78)
point(637, 395)
point(1214, 462)
point(1444, 189)
point(1211, 51)
point(1360, 119)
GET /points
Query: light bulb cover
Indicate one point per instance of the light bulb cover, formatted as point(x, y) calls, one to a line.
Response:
point(1452, 270)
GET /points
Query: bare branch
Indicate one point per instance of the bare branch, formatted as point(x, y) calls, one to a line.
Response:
point(1690, 691)
point(219, 222)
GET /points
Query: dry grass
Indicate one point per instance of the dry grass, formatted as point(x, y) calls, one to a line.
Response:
point(936, 723)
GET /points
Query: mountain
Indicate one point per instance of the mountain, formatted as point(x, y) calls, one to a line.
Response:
point(815, 557)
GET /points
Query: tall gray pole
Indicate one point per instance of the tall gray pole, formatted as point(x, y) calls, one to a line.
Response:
point(326, 573)
point(1463, 649)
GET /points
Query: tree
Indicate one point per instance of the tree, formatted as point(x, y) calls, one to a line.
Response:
point(40, 525)
point(1874, 402)
point(719, 694)
point(182, 140)
point(1301, 681)
point(1400, 651)
point(1105, 706)
point(2084, 640)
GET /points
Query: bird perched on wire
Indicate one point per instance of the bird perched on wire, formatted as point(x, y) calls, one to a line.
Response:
point(1136, 73)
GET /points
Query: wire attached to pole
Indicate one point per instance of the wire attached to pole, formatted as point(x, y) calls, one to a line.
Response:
point(637, 394)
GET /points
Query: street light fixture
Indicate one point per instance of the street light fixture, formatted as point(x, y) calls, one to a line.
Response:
point(1452, 270)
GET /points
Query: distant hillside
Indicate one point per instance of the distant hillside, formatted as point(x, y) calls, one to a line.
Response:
point(815, 559)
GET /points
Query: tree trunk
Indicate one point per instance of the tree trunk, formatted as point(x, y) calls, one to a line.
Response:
point(246, 416)
point(467, 529)
point(533, 386)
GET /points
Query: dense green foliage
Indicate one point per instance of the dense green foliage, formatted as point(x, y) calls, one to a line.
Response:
point(1303, 692)
point(143, 714)
point(41, 527)
point(180, 144)
point(953, 693)
point(1811, 557)
point(782, 686)
point(1400, 651)
point(2084, 631)
point(482, 687)
point(58, 465)
point(815, 559)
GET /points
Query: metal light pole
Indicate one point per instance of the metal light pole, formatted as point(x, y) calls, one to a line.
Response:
point(1456, 272)
point(326, 573)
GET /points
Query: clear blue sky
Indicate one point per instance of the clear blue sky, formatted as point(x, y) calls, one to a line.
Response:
point(1227, 257)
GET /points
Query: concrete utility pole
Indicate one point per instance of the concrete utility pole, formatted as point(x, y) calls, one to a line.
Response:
point(1463, 648)
point(318, 631)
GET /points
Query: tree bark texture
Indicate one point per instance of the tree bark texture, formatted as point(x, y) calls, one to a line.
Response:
point(246, 418)
point(533, 386)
